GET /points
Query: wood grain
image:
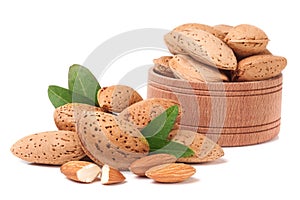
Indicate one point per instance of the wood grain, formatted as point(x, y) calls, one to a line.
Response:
point(236, 113)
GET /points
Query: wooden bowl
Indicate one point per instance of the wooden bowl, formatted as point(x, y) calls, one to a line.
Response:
point(230, 113)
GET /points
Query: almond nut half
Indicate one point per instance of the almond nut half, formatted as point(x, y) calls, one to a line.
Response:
point(111, 175)
point(81, 171)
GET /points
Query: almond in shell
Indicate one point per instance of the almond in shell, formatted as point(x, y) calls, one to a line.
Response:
point(116, 98)
point(259, 67)
point(161, 66)
point(203, 47)
point(109, 140)
point(141, 113)
point(65, 116)
point(52, 148)
point(205, 150)
point(247, 40)
point(196, 26)
point(189, 69)
point(224, 28)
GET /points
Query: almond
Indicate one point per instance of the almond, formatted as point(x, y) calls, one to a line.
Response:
point(141, 113)
point(161, 66)
point(111, 175)
point(52, 148)
point(246, 40)
point(189, 69)
point(171, 173)
point(203, 47)
point(195, 26)
point(224, 28)
point(259, 67)
point(140, 166)
point(116, 98)
point(65, 116)
point(107, 139)
point(80, 171)
point(205, 150)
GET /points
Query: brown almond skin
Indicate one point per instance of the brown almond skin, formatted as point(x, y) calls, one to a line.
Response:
point(116, 98)
point(70, 170)
point(114, 176)
point(205, 150)
point(171, 173)
point(259, 67)
point(109, 140)
point(140, 166)
point(51, 148)
point(65, 116)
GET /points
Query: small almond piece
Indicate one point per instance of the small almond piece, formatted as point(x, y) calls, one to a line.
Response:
point(171, 173)
point(140, 166)
point(81, 171)
point(111, 175)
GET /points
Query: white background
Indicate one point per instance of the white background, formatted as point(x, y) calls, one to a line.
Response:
point(39, 41)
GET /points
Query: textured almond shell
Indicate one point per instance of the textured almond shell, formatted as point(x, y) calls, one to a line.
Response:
point(65, 116)
point(203, 27)
point(109, 140)
point(204, 148)
point(259, 67)
point(171, 173)
point(141, 113)
point(53, 148)
point(161, 66)
point(224, 28)
point(116, 98)
point(203, 47)
point(187, 68)
point(246, 40)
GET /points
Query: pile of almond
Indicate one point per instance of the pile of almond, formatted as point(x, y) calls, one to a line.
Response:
point(203, 53)
point(109, 137)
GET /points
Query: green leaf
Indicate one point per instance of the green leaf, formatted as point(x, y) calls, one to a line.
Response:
point(157, 132)
point(161, 126)
point(60, 96)
point(169, 147)
point(81, 81)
